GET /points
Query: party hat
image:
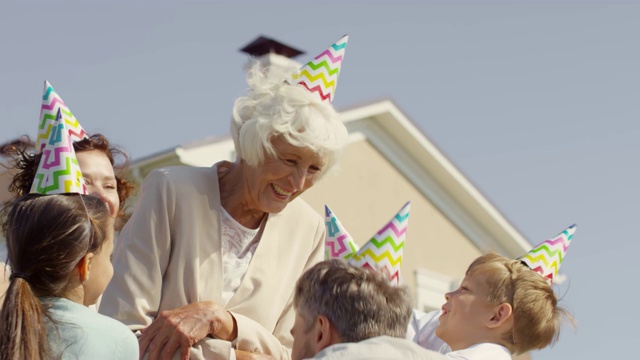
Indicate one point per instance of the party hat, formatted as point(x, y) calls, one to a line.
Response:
point(51, 104)
point(58, 171)
point(547, 257)
point(383, 252)
point(320, 75)
point(338, 243)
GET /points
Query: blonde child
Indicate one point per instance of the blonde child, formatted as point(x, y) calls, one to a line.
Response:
point(502, 307)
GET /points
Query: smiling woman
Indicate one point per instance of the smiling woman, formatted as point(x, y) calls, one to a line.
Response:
point(97, 159)
point(103, 177)
point(208, 262)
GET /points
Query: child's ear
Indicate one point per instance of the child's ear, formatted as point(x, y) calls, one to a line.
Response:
point(84, 266)
point(325, 335)
point(501, 314)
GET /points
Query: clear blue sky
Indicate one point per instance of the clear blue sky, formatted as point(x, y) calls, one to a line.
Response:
point(537, 104)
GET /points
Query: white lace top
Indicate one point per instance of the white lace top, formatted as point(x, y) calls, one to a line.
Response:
point(238, 246)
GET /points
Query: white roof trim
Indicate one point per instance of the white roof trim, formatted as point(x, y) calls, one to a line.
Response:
point(408, 149)
point(395, 136)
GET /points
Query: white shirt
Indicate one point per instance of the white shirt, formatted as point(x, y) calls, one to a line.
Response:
point(422, 331)
point(484, 351)
point(238, 246)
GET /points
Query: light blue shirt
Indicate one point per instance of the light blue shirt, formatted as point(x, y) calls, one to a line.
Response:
point(378, 348)
point(80, 333)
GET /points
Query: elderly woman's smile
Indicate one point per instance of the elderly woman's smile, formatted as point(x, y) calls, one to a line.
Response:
point(281, 192)
point(283, 176)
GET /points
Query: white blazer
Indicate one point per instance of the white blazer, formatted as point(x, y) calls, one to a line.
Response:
point(169, 255)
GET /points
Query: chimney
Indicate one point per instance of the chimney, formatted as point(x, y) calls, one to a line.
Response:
point(269, 52)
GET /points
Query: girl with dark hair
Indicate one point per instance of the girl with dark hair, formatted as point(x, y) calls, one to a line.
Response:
point(59, 248)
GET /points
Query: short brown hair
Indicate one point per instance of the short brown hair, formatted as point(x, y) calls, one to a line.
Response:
point(537, 316)
point(359, 303)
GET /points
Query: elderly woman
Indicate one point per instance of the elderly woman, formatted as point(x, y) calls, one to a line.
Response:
point(209, 260)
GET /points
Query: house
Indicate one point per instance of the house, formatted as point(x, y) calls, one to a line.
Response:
point(387, 162)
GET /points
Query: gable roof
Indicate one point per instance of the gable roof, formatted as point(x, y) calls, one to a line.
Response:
point(391, 132)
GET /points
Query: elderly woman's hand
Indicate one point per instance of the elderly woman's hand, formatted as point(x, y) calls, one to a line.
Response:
point(182, 327)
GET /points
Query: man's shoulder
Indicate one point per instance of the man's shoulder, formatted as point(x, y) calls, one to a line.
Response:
point(378, 348)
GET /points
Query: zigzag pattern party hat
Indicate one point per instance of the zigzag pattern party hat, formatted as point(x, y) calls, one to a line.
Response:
point(320, 75)
point(383, 252)
point(58, 171)
point(338, 243)
point(546, 258)
point(51, 104)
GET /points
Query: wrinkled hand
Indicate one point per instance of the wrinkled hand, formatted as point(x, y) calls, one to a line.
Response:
point(245, 355)
point(184, 326)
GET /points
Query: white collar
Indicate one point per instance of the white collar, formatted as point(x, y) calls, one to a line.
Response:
point(482, 351)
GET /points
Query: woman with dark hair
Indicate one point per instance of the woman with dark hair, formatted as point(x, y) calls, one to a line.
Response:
point(101, 163)
point(59, 249)
point(97, 159)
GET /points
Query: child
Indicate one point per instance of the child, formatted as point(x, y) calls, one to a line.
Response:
point(59, 251)
point(504, 306)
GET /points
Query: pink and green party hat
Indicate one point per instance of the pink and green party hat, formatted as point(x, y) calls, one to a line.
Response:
point(58, 171)
point(546, 258)
point(383, 252)
point(320, 75)
point(52, 104)
point(338, 243)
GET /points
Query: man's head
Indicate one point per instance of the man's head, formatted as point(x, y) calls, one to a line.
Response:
point(501, 301)
point(336, 302)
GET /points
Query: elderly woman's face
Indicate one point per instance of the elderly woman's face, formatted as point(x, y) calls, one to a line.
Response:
point(283, 177)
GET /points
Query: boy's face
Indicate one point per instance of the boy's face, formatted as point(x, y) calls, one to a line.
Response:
point(466, 313)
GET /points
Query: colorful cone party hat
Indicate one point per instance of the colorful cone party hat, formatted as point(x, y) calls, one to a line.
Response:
point(51, 104)
point(338, 243)
point(58, 171)
point(547, 257)
point(383, 252)
point(320, 75)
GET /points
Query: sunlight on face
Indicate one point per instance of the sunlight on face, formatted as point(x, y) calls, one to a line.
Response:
point(100, 271)
point(465, 313)
point(100, 178)
point(282, 177)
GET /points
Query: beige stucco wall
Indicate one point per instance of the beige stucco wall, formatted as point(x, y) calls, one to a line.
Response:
point(5, 180)
point(366, 191)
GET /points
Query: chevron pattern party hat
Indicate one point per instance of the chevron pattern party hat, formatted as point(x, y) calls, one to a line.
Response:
point(383, 252)
point(320, 75)
point(547, 257)
point(58, 171)
point(51, 104)
point(338, 243)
